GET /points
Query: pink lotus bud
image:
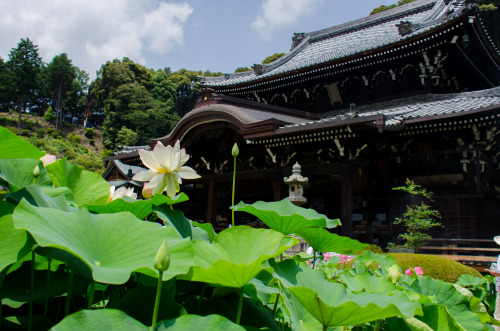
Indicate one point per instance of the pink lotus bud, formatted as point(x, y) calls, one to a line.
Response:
point(408, 272)
point(344, 258)
point(147, 192)
point(326, 256)
point(418, 271)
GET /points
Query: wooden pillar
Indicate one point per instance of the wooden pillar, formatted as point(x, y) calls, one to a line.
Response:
point(211, 201)
point(347, 202)
point(276, 183)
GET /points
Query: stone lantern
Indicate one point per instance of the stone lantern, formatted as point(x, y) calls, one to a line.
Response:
point(296, 184)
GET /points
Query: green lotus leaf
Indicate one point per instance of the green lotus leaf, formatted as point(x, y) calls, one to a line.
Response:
point(323, 241)
point(236, 255)
point(185, 227)
point(15, 243)
point(332, 304)
point(37, 196)
point(259, 288)
point(369, 260)
point(301, 318)
point(111, 245)
point(176, 220)
point(196, 322)
point(283, 216)
point(367, 282)
point(100, 319)
point(208, 228)
point(440, 293)
point(87, 187)
point(14, 147)
point(17, 173)
point(140, 208)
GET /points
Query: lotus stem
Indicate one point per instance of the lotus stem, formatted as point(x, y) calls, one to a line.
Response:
point(2, 276)
point(240, 307)
point(46, 304)
point(32, 290)
point(157, 300)
point(314, 259)
point(70, 292)
point(201, 297)
point(234, 183)
point(90, 298)
point(275, 308)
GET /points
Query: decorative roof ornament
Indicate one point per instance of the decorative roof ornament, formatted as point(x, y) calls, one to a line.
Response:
point(405, 28)
point(258, 69)
point(297, 39)
point(296, 184)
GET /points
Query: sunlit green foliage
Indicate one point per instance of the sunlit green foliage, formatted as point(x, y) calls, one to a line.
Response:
point(72, 259)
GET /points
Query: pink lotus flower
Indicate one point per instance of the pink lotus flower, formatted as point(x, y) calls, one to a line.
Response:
point(48, 159)
point(345, 258)
point(418, 271)
point(408, 272)
point(326, 256)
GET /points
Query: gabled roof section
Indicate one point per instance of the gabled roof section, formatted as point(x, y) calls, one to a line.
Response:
point(247, 118)
point(127, 171)
point(396, 113)
point(345, 40)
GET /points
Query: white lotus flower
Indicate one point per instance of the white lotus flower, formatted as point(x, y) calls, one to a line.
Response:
point(166, 168)
point(121, 192)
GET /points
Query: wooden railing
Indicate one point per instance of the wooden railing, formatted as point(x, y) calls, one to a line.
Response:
point(476, 253)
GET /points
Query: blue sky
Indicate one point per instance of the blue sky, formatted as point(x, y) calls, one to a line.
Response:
point(219, 35)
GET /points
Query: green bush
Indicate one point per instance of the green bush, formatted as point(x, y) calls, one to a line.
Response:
point(437, 267)
point(49, 115)
point(50, 131)
point(89, 133)
point(106, 152)
point(75, 138)
point(57, 134)
point(40, 133)
point(26, 132)
point(92, 142)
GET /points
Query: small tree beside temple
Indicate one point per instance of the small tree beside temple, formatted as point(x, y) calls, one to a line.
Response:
point(418, 219)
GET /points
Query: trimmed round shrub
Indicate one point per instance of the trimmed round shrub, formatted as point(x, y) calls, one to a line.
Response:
point(437, 267)
point(372, 248)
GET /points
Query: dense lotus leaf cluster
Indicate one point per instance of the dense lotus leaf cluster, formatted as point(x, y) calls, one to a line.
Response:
point(71, 257)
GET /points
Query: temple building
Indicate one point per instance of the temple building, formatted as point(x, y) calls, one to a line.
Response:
point(411, 92)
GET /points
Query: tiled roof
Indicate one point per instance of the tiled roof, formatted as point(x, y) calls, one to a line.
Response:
point(423, 107)
point(351, 38)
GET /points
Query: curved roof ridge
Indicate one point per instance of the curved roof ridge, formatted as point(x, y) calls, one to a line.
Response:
point(374, 19)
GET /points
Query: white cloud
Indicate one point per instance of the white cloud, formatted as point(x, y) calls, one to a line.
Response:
point(275, 14)
point(92, 32)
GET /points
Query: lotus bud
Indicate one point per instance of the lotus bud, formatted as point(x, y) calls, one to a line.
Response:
point(408, 272)
point(162, 258)
point(235, 151)
point(36, 171)
point(394, 274)
point(147, 192)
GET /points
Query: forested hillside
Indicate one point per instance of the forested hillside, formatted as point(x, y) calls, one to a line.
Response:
point(128, 101)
